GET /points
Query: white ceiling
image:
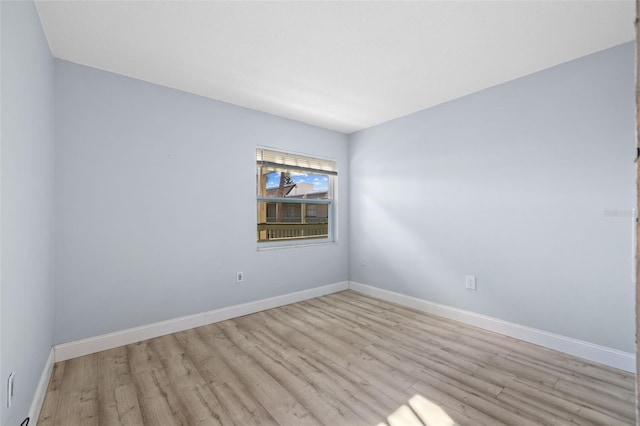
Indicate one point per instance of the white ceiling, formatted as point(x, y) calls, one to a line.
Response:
point(339, 65)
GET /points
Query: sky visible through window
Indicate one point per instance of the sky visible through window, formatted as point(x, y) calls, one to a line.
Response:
point(320, 182)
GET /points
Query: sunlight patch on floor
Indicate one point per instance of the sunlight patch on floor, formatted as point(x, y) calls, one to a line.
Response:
point(420, 412)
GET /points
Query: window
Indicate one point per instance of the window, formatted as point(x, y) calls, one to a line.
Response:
point(294, 197)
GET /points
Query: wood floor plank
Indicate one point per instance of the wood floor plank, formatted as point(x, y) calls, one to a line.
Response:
point(241, 406)
point(113, 373)
point(237, 404)
point(317, 355)
point(127, 406)
point(159, 402)
point(324, 375)
point(78, 399)
point(334, 350)
point(591, 391)
point(271, 394)
point(343, 359)
point(50, 403)
point(211, 367)
point(574, 369)
point(320, 404)
point(564, 415)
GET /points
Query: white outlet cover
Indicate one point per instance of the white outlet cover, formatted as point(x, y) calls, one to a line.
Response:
point(470, 282)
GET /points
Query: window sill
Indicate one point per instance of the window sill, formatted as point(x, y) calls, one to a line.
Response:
point(269, 247)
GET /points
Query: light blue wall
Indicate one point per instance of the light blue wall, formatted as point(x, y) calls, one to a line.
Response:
point(512, 185)
point(155, 204)
point(27, 204)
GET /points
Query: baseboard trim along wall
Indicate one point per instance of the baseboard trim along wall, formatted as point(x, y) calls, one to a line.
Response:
point(41, 390)
point(580, 348)
point(91, 345)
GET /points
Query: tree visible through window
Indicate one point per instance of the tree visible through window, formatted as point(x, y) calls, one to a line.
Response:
point(294, 196)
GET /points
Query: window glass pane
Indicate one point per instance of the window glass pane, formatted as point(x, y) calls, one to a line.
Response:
point(289, 221)
point(295, 185)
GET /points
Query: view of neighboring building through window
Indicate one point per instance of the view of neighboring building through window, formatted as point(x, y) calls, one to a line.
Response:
point(294, 196)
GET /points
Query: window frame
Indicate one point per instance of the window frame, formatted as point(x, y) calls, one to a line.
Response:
point(330, 202)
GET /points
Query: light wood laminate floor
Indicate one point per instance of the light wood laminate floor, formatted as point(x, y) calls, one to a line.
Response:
point(341, 359)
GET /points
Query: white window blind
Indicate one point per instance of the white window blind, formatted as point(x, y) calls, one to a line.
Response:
point(282, 161)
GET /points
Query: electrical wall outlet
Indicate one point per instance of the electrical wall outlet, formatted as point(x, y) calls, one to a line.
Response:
point(239, 277)
point(10, 381)
point(363, 261)
point(470, 282)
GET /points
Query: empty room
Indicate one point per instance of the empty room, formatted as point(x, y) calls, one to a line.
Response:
point(318, 213)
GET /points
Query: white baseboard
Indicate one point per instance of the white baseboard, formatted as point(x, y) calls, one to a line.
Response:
point(580, 348)
point(91, 345)
point(41, 390)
